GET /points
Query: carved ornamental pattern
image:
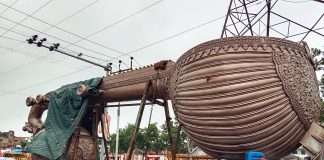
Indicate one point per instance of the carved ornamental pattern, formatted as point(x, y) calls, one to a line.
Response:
point(292, 60)
point(85, 147)
point(299, 81)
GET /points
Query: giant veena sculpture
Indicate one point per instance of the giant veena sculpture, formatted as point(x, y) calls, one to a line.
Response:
point(231, 95)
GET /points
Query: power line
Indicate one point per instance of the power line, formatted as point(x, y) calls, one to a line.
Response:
point(64, 19)
point(22, 94)
point(56, 37)
point(13, 49)
point(27, 16)
point(55, 46)
point(50, 60)
point(302, 1)
point(12, 39)
point(10, 49)
point(10, 30)
point(44, 82)
point(85, 68)
point(8, 7)
point(321, 1)
point(18, 23)
point(23, 65)
point(85, 38)
point(119, 21)
point(175, 35)
point(70, 16)
point(61, 28)
point(115, 23)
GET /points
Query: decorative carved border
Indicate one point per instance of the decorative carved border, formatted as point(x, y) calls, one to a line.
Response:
point(307, 111)
point(300, 84)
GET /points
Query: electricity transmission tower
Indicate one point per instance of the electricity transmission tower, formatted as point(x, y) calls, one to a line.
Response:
point(258, 18)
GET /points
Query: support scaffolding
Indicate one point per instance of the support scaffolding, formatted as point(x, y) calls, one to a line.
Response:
point(173, 145)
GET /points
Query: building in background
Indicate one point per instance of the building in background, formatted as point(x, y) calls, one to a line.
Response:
point(9, 140)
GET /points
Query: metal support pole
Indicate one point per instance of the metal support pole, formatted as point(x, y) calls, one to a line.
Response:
point(312, 28)
point(268, 18)
point(248, 18)
point(228, 14)
point(103, 133)
point(168, 124)
point(95, 133)
point(77, 57)
point(108, 72)
point(177, 141)
point(138, 121)
point(75, 149)
point(117, 133)
point(189, 148)
point(321, 154)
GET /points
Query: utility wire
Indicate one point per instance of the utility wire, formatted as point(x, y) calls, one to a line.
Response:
point(122, 20)
point(23, 65)
point(19, 23)
point(28, 16)
point(70, 16)
point(11, 49)
point(22, 94)
point(44, 82)
point(13, 39)
point(64, 30)
point(50, 60)
point(117, 22)
point(54, 36)
point(294, 1)
point(85, 68)
point(175, 35)
point(85, 38)
point(10, 30)
point(23, 41)
point(8, 7)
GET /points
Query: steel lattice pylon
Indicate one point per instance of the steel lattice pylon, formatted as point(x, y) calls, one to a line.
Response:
point(257, 18)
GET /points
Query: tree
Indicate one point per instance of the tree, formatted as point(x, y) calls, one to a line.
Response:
point(151, 139)
point(182, 144)
point(319, 66)
point(4, 134)
point(24, 143)
point(125, 135)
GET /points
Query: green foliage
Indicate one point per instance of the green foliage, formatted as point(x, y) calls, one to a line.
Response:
point(319, 65)
point(151, 139)
point(125, 135)
point(4, 134)
point(24, 143)
point(182, 144)
point(321, 119)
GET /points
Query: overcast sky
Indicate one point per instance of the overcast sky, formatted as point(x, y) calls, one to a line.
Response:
point(149, 30)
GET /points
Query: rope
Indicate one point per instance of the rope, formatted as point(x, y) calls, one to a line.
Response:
point(153, 97)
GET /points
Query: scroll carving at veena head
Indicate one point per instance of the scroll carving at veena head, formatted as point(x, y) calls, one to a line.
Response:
point(232, 95)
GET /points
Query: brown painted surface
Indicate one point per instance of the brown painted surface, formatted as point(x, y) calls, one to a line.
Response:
point(232, 95)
